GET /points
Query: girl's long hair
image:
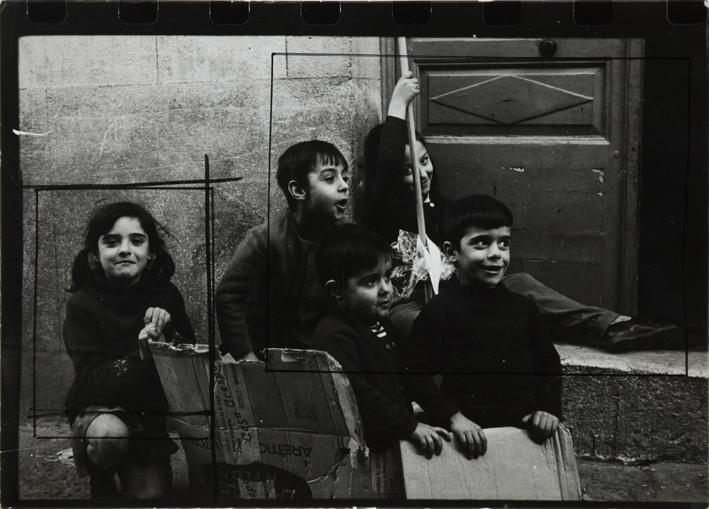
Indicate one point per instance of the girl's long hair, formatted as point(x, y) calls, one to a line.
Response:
point(371, 158)
point(86, 268)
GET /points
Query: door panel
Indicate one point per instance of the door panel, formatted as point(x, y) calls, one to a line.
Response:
point(522, 96)
point(555, 139)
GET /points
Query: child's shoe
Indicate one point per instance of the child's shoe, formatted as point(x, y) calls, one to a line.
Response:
point(636, 335)
point(103, 485)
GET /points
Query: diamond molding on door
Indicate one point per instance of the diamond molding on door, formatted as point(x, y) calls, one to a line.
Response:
point(512, 97)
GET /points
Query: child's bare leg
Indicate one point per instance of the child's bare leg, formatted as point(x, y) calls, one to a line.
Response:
point(107, 441)
point(146, 482)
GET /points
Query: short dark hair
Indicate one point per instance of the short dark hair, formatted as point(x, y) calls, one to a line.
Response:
point(478, 210)
point(298, 160)
point(161, 268)
point(347, 250)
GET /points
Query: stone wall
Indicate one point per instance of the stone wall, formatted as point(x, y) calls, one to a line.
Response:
point(117, 110)
point(637, 418)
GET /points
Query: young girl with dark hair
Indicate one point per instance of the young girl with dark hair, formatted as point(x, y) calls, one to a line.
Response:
point(121, 297)
point(389, 170)
point(391, 207)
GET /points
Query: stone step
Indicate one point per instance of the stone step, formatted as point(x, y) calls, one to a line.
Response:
point(636, 406)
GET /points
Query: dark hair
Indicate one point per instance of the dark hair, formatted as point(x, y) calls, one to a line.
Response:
point(372, 145)
point(479, 210)
point(84, 271)
point(347, 250)
point(298, 160)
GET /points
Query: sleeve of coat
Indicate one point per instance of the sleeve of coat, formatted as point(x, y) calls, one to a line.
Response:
point(548, 366)
point(101, 378)
point(390, 163)
point(389, 172)
point(422, 360)
point(245, 275)
point(383, 419)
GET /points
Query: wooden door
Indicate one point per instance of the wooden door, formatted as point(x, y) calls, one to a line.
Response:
point(554, 138)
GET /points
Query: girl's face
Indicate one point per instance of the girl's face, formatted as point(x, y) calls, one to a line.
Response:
point(425, 169)
point(124, 251)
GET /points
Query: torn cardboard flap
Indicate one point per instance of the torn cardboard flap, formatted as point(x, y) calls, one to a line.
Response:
point(180, 367)
point(513, 468)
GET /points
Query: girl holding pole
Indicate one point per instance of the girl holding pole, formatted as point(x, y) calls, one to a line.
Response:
point(390, 176)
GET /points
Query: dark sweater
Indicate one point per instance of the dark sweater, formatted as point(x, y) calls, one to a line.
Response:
point(270, 294)
point(371, 364)
point(393, 207)
point(497, 363)
point(101, 336)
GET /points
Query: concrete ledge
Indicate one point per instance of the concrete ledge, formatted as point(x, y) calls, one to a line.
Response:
point(636, 406)
point(577, 359)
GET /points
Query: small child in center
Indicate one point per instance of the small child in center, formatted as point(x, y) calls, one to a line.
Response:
point(498, 366)
point(354, 264)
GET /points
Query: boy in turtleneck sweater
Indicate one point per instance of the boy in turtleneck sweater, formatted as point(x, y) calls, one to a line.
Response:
point(499, 367)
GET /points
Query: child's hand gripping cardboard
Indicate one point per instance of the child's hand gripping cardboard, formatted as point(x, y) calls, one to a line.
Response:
point(427, 439)
point(155, 319)
point(470, 437)
point(541, 425)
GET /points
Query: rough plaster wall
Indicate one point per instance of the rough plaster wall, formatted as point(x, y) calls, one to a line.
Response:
point(134, 109)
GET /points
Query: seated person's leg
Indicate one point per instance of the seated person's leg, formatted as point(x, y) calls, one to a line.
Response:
point(103, 485)
point(598, 325)
point(107, 441)
point(559, 310)
point(149, 481)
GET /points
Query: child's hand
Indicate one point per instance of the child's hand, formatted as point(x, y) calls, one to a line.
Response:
point(146, 333)
point(159, 318)
point(542, 425)
point(427, 439)
point(405, 90)
point(470, 436)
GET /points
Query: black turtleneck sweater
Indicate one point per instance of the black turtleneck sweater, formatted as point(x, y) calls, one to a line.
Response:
point(497, 362)
point(101, 336)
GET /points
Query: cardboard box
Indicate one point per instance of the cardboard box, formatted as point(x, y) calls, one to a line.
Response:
point(513, 468)
point(290, 428)
point(287, 428)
